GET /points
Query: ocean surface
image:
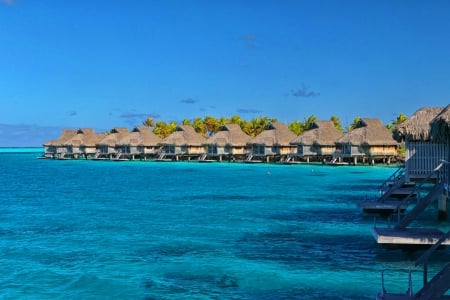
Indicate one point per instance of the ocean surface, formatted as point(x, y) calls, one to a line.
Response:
point(187, 230)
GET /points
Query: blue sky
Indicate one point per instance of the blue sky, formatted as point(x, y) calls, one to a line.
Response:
point(108, 63)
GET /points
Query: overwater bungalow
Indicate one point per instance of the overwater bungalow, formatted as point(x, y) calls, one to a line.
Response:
point(140, 142)
point(230, 142)
point(426, 136)
point(369, 140)
point(318, 141)
point(106, 148)
point(183, 143)
point(57, 148)
point(424, 150)
point(83, 143)
point(273, 142)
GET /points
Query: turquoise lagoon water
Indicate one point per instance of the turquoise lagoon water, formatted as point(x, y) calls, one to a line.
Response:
point(149, 230)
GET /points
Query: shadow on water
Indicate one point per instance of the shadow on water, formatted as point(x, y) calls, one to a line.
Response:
point(301, 249)
point(185, 283)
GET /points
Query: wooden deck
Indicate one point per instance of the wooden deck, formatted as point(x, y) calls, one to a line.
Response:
point(404, 192)
point(388, 296)
point(408, 237)
point(383, 207)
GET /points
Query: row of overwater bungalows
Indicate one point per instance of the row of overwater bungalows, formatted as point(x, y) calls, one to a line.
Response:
point(370, 141)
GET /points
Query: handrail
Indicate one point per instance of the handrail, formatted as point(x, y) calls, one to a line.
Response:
point(424, 180)
point(427, 253)
point(420, 206)
point(393, 175)
point(409, 291)
point(389, 192)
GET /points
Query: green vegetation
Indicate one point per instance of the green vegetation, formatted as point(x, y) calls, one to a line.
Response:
point(399, 120)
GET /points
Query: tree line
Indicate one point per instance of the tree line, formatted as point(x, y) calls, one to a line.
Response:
point(209, 125)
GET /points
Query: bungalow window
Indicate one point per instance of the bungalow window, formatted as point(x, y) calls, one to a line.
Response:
point(169, 149)
point(212, 149)
point(300, 149)
point(259, 149)
point(347, 149)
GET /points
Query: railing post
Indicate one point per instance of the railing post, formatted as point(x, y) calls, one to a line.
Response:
point(409, 292)
point(425, 272)
point(383, 290)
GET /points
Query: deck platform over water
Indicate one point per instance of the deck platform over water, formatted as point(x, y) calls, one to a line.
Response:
point(383, 207)
point(409, 236)
point(403, 297)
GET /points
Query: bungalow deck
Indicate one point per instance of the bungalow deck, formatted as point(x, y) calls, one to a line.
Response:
point(383, 207)
point(404, 192)
point(404, 296)
point(408, 237)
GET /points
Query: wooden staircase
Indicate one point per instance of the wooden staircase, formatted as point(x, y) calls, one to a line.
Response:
point(433, 289)
point(420, 207)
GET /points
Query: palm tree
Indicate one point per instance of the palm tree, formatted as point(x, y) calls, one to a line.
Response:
point(337, 123)
point(399, 120)
point(149, 122)
point(308, 122)
point(186, 122)
point(162, 129)
point(296, 127)
point(199, 126)
point(354, 124)
point(235, 119)
point(211, 125)
point(224, 121)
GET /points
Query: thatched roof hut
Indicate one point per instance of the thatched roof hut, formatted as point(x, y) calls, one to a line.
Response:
point(440, 126)
point(229, 134)
point(62, 140)
point(114, 136)
point(319, 133)
point(85, 137)
point(184, 135)
point(417, 127)
point(276, 134)
point(369, 132)
point(140, 136)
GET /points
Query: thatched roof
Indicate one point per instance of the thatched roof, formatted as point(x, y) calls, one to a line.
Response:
point(115, 135)
point(184, 135)
point(275, 134)
point(417, 127)
point(85, 137)
point(141, 135)
point(65, 136)
point(368, 132)
point(320, 133)
point(229, 134)
point(440, 126)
